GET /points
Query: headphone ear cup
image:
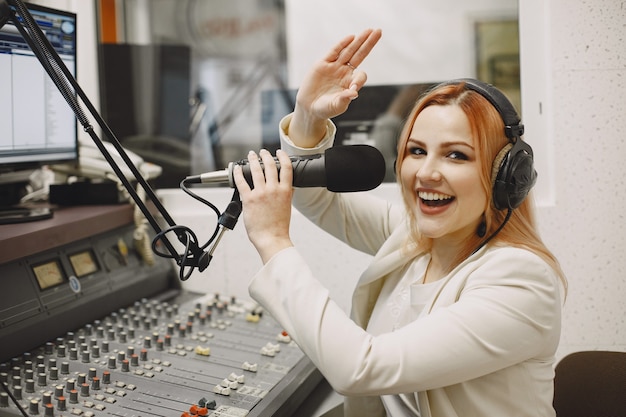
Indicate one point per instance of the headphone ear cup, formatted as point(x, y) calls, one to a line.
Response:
point(513, 175)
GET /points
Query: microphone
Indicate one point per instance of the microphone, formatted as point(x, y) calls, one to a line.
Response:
point(346, 168)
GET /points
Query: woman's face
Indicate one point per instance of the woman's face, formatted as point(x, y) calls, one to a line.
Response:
point(441, 171)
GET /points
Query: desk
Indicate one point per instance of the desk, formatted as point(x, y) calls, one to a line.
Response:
point(67, 225)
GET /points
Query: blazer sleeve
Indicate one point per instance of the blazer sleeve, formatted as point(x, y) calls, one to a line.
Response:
point(508, 311)
point(358, 219)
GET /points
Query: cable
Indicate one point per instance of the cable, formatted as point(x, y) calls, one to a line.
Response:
point(194, 254)
point(506, 219)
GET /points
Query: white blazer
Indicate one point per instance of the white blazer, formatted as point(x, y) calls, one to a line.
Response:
point(484, 346)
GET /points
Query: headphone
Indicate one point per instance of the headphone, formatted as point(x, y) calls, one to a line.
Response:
point(512, 173)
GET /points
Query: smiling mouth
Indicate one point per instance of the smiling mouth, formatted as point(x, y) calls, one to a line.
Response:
point(435, 199)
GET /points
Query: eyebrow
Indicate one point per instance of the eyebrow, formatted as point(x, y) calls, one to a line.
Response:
point(445, 144)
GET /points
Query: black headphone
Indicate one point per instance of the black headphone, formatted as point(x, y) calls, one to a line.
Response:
point(513, 174)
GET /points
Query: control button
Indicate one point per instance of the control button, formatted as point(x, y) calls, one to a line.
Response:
point(70, 384)
point(17, 392)
point(33, 407)
point(61, 404)
point(30, 386)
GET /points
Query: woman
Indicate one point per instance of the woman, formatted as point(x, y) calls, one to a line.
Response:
point(459, 312)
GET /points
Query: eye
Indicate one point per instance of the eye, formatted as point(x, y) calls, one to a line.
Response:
point(458, 155)
point(416, 150)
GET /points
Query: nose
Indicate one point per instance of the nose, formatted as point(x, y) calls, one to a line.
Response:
point(429, 170)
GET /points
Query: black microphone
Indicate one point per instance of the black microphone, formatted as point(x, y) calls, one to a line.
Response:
point(340, 169)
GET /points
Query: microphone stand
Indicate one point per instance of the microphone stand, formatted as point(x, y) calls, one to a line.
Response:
point(194, 257)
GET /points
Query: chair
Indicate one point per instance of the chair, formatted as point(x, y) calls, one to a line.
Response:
point(591, 384)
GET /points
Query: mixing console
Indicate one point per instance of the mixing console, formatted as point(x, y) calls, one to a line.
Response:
point(170, 354)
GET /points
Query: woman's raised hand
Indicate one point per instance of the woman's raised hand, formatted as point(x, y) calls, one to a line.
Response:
point(330, 86)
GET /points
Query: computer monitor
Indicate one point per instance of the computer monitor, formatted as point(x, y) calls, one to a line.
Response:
point(37, 127)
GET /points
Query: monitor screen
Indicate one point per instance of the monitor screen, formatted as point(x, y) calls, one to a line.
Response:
point(37, 126)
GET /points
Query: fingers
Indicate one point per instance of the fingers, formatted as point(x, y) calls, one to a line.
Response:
point(352, 50)
point(264, 171)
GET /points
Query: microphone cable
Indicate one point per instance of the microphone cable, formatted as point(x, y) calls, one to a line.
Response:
point(195, 255)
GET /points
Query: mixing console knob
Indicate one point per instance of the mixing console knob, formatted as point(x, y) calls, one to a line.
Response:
point(16, 371)
point(159, 345)
point(58, 391)
point(41, 380)
point(82, 378)
point(33, 407)
point(106, 377)
point(168, 340)
point(189, 327)
point(41, 368)
point(111, 334)
point(155, 336)
point(121, 356)
point(52, 363)
point(191, 316)
point(181, 331)
point(134, 360)
point(4, 400)
point(100, 332)
point(71, 344)
point(4, 377)
point(131, 332)
point(84, 390)
point(147, 342)
point(91, 374)
point(123, 337)
point(170, 329)
point(105, 346)
point(95, 351)
point(48, 410)
point(65, 368)
point(27, 365)
point(46, 398)
point(88, 329)
point(125, 365)
point(154, 320)
point(84, 357)
point(143, 355)
point(130, 350)
point(29, 374)
point(95, 383)
point(61, 351)
point(40, 360)
point(17, 392)
point(111, 362)
point(73, 397)
point(61, 404)
point(16, 380)
point(73, 354)
point(54, 373)
point(49, 348)
point(70, 385)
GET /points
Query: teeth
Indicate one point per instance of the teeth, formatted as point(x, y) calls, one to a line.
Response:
point(433, 196)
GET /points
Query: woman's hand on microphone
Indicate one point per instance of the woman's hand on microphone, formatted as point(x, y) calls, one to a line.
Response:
point(267, 206)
